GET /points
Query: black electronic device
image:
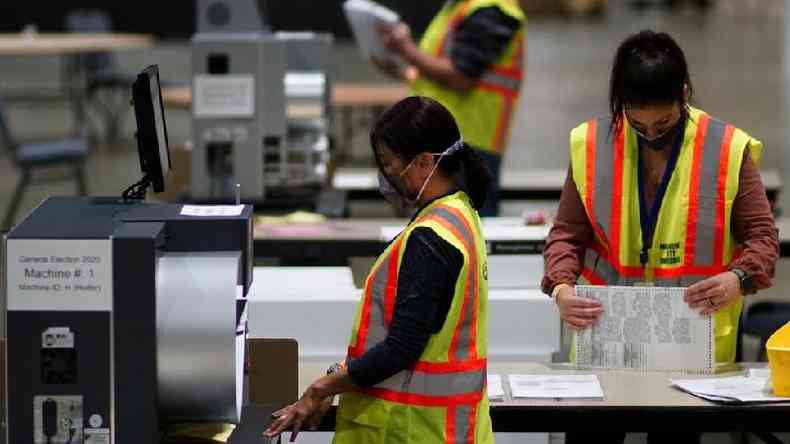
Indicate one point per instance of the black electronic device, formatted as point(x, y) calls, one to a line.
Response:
point(152, 144)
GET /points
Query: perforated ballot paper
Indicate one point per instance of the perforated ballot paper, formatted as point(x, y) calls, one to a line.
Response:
point(645, 328)
point(364, 16)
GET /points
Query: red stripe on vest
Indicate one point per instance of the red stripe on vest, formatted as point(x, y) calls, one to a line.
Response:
point(392, 282)
point(449, 432)
point(617, 195)
point(718, 246)
point(424, 400)
point(472, 266)
point(589, 178)
point(503, 123)
point(450, 367)
point(691, 227)
point(472, 249)
point(470, 432)
point(364, 318)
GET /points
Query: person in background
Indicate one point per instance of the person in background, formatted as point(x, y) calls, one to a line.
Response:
point(470, 59)
point(661, 193)
point(416, 364)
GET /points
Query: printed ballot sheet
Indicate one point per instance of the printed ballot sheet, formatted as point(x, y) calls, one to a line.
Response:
point(556, 386)
point(645, 328)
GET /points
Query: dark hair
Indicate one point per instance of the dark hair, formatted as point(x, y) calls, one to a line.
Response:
point(649, 69)
point(417, 125)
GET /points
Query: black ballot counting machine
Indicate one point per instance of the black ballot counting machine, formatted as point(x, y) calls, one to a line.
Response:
point(124, 315)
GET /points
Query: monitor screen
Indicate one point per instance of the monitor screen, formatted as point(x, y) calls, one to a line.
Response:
point(151, 127)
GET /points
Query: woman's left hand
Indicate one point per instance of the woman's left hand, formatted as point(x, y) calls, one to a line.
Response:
point(714, 293)
point(302, 412)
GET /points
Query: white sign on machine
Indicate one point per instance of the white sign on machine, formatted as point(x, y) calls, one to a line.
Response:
point(224, 96)
point(59, 275)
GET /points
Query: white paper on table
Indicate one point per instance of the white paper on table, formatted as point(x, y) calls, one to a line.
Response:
point(496, 391)
point(729, 389)
point(645, 328)
point(211, 210)
point(364, 17)
point(555, 386)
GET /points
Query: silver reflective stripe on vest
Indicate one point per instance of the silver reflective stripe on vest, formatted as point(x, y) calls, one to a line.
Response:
point(462, 423)
point(465, 335)
point(707, 193)
point(436, 384)
point(377, 328)
point(604, 270)
point(494, 78)
point(603, 177)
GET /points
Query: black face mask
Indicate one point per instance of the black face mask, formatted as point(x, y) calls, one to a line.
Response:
point(667, 137)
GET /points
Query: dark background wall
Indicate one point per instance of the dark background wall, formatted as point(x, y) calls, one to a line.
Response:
point(176, 18)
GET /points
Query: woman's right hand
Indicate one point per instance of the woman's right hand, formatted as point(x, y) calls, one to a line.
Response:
point(579, 313)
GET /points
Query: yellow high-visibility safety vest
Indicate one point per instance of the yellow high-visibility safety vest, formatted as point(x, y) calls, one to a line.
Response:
point(693, 238)
point(443, 398)
point(484, 114)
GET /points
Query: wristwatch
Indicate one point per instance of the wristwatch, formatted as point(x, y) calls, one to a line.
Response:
point(334, 368)
point(747, 285)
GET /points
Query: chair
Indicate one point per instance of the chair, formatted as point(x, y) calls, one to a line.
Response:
point(106, 87)
point(31, 156)
point(762, 319)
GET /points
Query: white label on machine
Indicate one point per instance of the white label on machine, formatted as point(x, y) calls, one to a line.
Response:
point(212, 210)
point(224, 96)
point(59, 274)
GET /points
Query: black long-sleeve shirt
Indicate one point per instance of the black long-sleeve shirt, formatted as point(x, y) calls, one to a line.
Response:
point(480, 39)
point(426, 285)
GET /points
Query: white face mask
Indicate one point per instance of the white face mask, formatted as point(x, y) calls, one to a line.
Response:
point(396, 196)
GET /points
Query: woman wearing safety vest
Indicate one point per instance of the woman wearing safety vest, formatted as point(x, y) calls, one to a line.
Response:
point(416, 364)
point(470, 59)
point(661, 193)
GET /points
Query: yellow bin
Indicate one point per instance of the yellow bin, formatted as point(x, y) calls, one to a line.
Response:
point(778, 346)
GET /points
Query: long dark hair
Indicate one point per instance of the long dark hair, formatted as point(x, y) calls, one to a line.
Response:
point(649, 69)
point(417, 125)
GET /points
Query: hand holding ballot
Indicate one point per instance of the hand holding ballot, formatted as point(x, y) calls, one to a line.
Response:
point(365, 18)
point(578, 312)
point(714, 293)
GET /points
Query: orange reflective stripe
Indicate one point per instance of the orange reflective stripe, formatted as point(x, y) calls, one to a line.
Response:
point(454, 22)
point(691, 229)
point(503, 123)
point(718, 250)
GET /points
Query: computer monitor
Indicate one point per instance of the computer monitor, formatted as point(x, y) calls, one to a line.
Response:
point(151, 128)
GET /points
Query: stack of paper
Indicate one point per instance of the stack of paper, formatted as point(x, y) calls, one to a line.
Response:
point(735, 389)
point(496, 392)
point(364, 16)
point(555, 386)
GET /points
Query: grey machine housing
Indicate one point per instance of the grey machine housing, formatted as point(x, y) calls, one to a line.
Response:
point(260, 105)
point(107, 370)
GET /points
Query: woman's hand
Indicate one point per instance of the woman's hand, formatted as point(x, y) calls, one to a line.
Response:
point(308, 410)
point(714, 293)
point(579, 313)
point(397, 38)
